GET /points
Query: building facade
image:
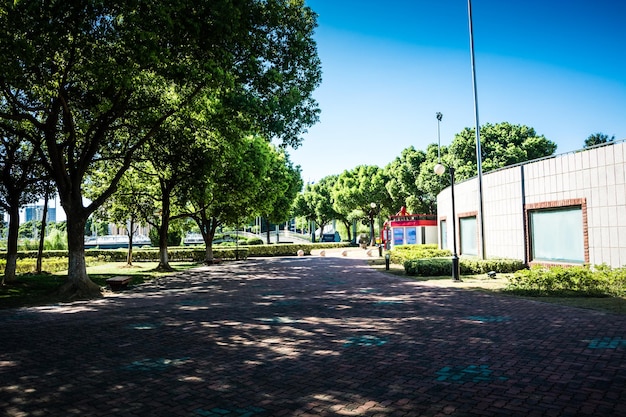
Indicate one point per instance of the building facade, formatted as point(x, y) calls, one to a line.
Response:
point(564, 209)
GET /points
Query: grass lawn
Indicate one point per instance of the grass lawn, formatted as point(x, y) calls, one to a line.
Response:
point(482, 282)
point(31, 289)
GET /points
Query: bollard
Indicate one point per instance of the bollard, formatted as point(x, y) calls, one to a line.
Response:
point(387, 261)
point(380, 250)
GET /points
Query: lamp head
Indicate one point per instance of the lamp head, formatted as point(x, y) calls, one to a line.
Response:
point(373, 205)
point(439, 169)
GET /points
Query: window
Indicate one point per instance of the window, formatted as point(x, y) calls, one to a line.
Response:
point(443, 229)
point(398, 236)
point(556, 235)
point(469, 235)
point(411, 236)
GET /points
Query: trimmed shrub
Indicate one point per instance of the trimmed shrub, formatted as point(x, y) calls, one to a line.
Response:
point(175, 254)
point(400, 254)
point(33, 254)
point(569, 281)
point(428, 260)
point(49, 264)
point(432, 267)
point(470, 266)
point(428, 267)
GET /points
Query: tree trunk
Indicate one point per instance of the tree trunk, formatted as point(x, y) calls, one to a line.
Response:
point(14, 229)
point(42, 233)
point(267, 223)
point(78, 285)
point(129, 254)
point(348, 225)
point(164, 264)
point(208, 228)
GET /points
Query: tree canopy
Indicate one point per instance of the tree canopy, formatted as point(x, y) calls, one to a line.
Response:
point(502, 144)
point(96, 80)
point(598, 139)
point(403, 185)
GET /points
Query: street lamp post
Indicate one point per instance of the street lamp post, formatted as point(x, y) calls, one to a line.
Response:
point(481, 226)
point(456, 275)
point(372, 213)
point(439, 117)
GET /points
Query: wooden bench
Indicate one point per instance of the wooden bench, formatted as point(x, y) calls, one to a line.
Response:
point(119, 283)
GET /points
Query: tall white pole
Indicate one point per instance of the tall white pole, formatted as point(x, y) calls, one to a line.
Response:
point(481, 228)
point(439, 117)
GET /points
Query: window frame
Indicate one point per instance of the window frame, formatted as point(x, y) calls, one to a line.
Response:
point(561, 205)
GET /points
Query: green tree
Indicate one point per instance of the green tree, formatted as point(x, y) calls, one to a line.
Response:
point(502, 144)
point(128, 206)
point(598, 139)
point(279, 189)
point(96, 80)
point(428, 182)
point(404, 186)
point(177, 159)
point(346, 219)
point(231, 187)
point(355, 190)
point(21, 183)
point(315, 203)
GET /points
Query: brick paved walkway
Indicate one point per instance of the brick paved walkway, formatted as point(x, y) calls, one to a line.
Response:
point(309, 336)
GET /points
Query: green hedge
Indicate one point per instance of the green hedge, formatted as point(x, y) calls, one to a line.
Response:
point(431, 267)
point(291, 249)
point(177, 254)
point(27, 254)
point(184, 253)
point(471, 266)
point(569, 281)
point(402, 253)
point(49, 264)
point(428, 267)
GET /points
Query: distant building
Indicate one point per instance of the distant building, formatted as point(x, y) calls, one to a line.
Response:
point(565, 209)
point(35, 212)
point(409, 229)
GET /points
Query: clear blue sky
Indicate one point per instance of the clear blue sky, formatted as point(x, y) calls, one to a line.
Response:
point(388, 67)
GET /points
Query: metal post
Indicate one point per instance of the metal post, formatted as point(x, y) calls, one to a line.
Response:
point(456, 275)
point(439, 117)
point(372, 213)
point(481, 227)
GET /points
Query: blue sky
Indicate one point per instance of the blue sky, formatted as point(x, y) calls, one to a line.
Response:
point(388, 67)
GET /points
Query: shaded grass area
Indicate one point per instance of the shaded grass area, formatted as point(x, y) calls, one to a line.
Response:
point(39, 289)
point(482, 282)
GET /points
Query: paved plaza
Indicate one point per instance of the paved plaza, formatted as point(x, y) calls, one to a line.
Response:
point(309, 336)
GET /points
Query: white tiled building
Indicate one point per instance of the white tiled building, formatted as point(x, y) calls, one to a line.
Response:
point(569, 209)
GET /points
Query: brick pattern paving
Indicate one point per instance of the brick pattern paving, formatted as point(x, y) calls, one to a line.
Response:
point(309, 336)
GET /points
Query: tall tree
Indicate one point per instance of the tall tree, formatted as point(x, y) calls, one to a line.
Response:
point(428, 182)
point(403, 185)
point(97, 80)
point(355, 191)
point(129, 206)
point(21, 183)
point(502, 144)
point(177, 158)
point(230, 190)
point(598, 139)
point(279, 189)
point(315, 204)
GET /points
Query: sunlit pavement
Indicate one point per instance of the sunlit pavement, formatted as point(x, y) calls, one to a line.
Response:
point(309, 336)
